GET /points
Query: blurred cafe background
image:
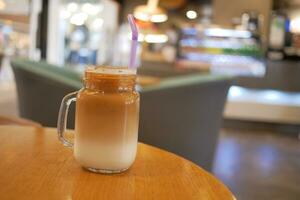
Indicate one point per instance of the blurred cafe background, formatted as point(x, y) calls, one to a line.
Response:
point(219, 79)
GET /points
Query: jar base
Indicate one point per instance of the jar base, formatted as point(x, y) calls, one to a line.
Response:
point(105, 171)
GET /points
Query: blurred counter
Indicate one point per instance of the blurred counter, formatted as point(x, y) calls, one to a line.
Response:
point(280, 75)
point(273, 98)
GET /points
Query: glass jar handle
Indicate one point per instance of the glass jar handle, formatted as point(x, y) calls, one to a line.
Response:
point(62, 118)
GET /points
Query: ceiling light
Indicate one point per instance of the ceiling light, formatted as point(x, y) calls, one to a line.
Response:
point(64, 14)
point(78, 18)
point(2, 5)
point(156, 38)
point(150, 12)
point(72, 7)
point(144, 14)
point(91, 9)
point(97, 24)
point(295, 25)
point(159, 18)
point(191, 14)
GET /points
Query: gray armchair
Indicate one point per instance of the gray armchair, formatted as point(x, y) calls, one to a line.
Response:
point(40, 89)
point(184, 115)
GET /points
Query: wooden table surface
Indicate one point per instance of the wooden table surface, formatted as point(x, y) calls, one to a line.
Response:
point(34, 165)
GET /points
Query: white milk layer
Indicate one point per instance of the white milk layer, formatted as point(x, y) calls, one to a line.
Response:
point(105, 156)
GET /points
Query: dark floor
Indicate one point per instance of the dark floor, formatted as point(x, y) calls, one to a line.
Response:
point(259, 165)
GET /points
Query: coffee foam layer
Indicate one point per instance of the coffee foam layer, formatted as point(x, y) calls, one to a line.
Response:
point(113, 70)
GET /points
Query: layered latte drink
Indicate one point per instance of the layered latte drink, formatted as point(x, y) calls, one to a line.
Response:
point(106, 124)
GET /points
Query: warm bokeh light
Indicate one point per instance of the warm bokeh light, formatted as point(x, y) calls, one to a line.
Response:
point(2, 5)
point(153, 14)
point(159, 18)
point(78, 18)
point(72, 7)
point(156, 38)
point(295, 25)
point(91, 9)
point(65, 14)
point(191, 14)
point(97, 24)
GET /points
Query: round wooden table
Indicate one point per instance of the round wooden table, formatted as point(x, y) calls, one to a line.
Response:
point(34, 165)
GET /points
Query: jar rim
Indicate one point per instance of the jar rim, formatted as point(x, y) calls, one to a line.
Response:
point(110, 70)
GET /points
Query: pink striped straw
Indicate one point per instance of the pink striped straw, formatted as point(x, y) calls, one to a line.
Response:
point(134, 42)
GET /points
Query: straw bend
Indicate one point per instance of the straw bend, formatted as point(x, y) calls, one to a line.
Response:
point(133, 27)
point(134, 42)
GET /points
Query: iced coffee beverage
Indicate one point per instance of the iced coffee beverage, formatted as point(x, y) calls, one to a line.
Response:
point(106, 122)
point(107, 111)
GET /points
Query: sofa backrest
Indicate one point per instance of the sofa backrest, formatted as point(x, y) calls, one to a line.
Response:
point(41, 87)
point(184, 115)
